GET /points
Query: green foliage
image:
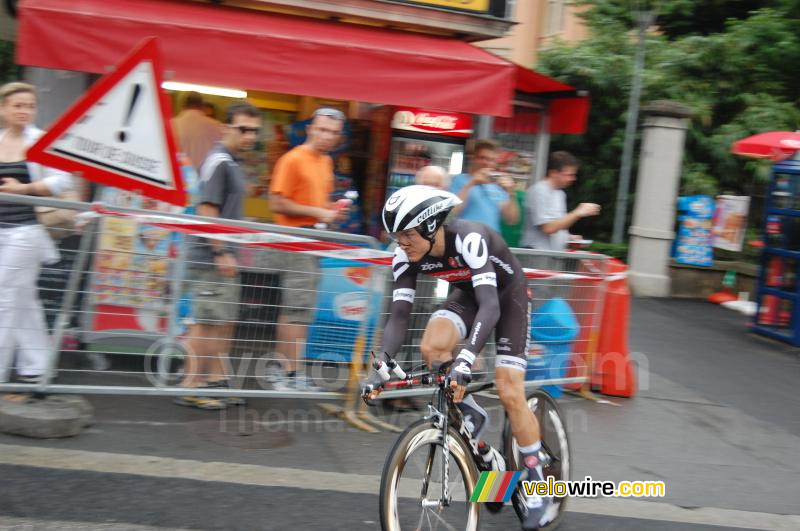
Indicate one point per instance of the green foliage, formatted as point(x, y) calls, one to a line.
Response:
point(677, 18)
point(734, 65)
point(9, 70)
point(614, 250)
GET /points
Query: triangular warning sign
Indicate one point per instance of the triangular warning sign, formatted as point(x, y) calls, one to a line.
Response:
point(119, 133)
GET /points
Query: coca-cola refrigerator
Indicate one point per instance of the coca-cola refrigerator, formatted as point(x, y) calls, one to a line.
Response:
point(404, 139)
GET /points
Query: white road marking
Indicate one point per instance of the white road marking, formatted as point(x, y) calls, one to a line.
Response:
point(30, 524)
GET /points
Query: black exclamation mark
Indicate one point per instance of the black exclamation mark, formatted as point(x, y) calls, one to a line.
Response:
point(137, 88)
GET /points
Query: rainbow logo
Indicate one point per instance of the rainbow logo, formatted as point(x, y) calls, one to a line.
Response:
point(495, 487)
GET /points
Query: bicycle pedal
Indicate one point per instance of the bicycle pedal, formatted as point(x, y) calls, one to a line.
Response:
point(546, 459)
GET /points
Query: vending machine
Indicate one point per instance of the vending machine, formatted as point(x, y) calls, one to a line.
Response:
point(404, 140)
point(778, 293)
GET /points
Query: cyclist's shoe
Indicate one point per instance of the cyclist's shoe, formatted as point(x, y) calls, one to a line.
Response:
point(536, 514)
point(492, 459)
point(230, 400)
point(535, 510)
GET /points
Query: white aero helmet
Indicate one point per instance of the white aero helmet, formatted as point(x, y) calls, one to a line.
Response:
point(421, 207)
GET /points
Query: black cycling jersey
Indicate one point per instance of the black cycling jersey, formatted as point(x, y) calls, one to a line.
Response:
point(489, 283)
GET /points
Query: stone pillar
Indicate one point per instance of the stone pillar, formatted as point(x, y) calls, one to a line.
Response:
point(652, 229)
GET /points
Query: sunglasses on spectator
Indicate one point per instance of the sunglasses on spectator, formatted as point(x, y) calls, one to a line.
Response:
point(244, 129)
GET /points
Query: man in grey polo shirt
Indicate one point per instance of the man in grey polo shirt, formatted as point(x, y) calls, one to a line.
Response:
point(212, 273)
point(547, 221)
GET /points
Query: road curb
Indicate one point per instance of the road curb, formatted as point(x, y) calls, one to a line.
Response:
point(51, 416)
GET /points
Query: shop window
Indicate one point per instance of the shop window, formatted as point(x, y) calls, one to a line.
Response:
point(518, 136)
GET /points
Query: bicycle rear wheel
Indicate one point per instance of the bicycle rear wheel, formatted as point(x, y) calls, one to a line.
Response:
point(557, 460)
point(412, 482)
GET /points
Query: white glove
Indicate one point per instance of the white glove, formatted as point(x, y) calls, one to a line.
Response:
point(461, 372)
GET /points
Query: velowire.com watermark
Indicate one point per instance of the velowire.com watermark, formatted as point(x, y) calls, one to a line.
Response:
point(499, 486)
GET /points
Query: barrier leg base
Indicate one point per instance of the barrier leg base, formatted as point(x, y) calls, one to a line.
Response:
point(45, 417)
point(348, 416)
point(387, 426)
point(586, 394)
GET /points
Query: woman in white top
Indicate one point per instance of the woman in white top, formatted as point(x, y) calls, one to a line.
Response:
point(24, 243)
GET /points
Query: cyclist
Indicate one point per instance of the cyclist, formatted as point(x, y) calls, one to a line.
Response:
point(490, 294)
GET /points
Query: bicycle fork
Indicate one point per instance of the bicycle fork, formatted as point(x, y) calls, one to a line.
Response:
point(439, 417)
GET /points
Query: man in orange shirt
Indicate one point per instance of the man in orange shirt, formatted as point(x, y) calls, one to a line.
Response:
point(300, 192)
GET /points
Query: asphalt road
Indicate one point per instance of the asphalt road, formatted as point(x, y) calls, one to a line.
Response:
point(717, 421)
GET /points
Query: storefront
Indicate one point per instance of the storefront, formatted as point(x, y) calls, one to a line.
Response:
point(288, 65)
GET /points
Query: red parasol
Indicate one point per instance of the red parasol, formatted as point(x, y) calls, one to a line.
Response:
point(775, 145)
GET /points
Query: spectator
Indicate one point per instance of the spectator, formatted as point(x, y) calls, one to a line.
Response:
point(210, 110)
point(512, 232)
point(435, 176)
point(484, 193)
point(216, 290)
point(547, 220)
point(24, 243)
point(195, 132)
point(300, 192)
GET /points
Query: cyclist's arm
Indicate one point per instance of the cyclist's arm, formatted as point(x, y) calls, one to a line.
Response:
point(485, 319)
point(474, 249)
point(403, 291)
point(396, 327)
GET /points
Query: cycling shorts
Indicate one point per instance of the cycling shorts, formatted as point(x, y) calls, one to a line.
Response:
point(511, 331)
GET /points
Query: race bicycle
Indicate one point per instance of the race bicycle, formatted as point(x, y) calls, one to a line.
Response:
point(434, 466)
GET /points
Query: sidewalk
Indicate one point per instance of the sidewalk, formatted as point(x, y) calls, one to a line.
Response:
point(710, 350)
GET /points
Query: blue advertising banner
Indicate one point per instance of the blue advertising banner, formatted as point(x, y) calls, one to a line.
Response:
point(693, 241)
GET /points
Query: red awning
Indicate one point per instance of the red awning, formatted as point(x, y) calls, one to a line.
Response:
point(569, 111)
point(233, 47)
point(569, 116)
point(535, 83)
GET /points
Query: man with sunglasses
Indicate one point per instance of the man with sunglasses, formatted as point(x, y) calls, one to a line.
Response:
point(300, 196)
point(212, 274)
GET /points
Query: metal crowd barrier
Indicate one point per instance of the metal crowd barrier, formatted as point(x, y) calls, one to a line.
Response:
point(118, 307)
point(118, 311)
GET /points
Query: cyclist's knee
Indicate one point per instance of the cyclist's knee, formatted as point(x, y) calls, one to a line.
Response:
point(512, 396)
point(437, 348)
point(432, 352)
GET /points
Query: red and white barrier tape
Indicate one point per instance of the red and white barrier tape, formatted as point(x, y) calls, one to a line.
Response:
point(254, 237)
point(297, 244)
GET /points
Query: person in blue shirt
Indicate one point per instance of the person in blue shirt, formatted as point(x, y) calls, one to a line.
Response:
point(486, 196)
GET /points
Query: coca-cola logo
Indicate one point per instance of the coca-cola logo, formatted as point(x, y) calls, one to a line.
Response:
point(406, 119)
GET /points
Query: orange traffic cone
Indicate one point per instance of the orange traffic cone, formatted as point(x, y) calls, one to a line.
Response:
point(601, 353)
point(613, 367)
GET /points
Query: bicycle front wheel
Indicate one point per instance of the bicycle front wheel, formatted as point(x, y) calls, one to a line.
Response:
point(413, 494)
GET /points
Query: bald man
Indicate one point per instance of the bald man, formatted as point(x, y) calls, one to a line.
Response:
point(435, 176)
